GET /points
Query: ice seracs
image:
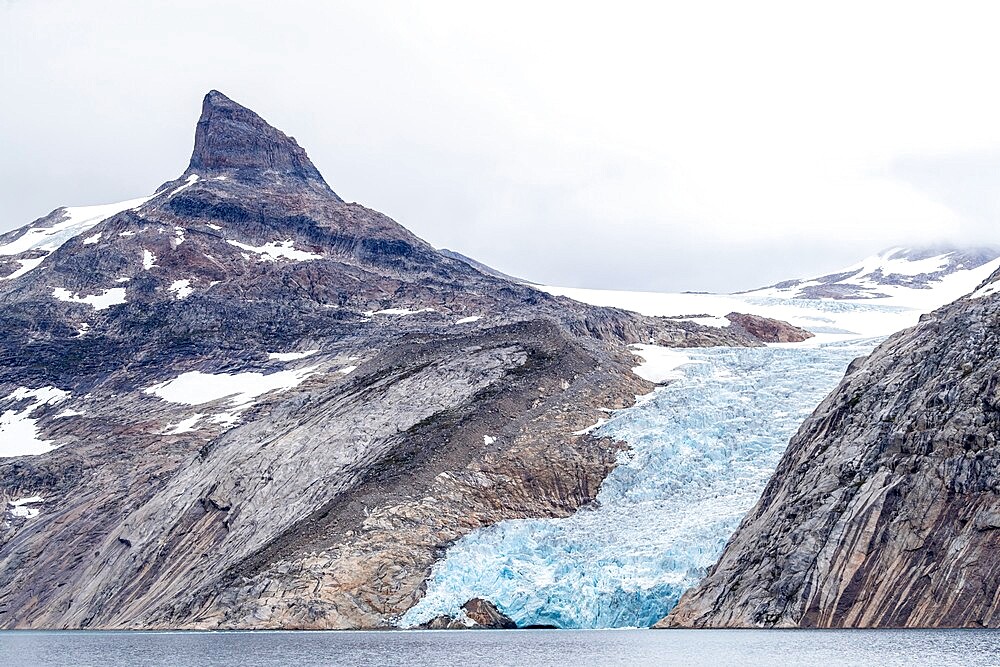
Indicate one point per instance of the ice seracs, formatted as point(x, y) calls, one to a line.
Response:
point(701, 450)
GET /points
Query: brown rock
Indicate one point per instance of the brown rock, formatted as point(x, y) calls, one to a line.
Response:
point(766, 329)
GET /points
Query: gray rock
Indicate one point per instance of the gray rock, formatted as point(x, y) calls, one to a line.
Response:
point(883, 510)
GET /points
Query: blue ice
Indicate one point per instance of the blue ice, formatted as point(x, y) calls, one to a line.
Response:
point(702, 449)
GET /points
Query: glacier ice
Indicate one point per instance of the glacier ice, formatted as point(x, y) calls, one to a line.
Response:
point(702, 449)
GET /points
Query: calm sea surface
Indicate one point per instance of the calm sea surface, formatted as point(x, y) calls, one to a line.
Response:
point(526, 647)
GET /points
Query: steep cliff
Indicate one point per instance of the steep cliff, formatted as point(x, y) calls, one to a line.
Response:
point(243, 402)
point(885, 509)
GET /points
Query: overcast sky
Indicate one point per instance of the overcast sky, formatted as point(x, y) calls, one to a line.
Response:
point(698, 146)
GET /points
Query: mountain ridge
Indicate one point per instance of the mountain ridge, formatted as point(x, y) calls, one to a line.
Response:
point(245, 403)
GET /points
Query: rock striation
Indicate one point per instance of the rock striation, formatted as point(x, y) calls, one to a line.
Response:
point(885, 509)
point(243, 402)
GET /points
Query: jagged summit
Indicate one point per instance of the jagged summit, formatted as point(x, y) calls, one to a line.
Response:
point(234, 141)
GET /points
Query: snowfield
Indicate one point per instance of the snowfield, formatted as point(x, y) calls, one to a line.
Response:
point(75, 221)
point(18, 429)
point(196, 388)
point(275, 250)
point(106, 299)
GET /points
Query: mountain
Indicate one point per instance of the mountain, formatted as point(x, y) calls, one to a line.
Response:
point(482, 268)
point(890, 273)
point(242, 402)
point(885, 509)
point(877, 297)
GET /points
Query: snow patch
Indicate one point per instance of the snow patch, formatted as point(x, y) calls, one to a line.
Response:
point(986, 290)
point(600, 422)
point(660, 363)
point(106, 299)
point(274, 250)
point(68, 412)
point(90, 240)
point(20, 507)
point(347, 369)
point(184, 426)
point(196, 388)
point(18, 431)
point(181, 288)
point(469, 320)
point(488, 439)
point(26, 265)
point(148, 259)
point(191, 180)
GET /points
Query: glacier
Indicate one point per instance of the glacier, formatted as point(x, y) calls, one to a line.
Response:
point(701, 451)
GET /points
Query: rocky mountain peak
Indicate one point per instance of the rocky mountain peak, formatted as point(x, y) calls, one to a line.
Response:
point(234, 141)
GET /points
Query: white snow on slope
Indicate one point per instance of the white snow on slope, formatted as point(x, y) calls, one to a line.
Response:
point(874, 275)
point(276, 250)
point(148, 259)
point(469, 320)
point(183, 426)
point(181, 288)
point(106, 299)
point(191, 180)
point(78, 219)
point(26, 265)
point(90, 240)
point(196, 388)
point(659, 363)
point(18, 430)
point(20, 507)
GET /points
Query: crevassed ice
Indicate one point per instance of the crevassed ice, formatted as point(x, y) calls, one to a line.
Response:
point(702, 449)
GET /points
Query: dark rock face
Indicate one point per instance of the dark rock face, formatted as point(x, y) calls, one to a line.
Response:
point(884, 510)
point(231, 140)
point(278, 409)
point(768, 330)
point(479, 614)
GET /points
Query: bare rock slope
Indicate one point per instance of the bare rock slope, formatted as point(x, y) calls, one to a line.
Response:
point(244, 403)
point(885, 510)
